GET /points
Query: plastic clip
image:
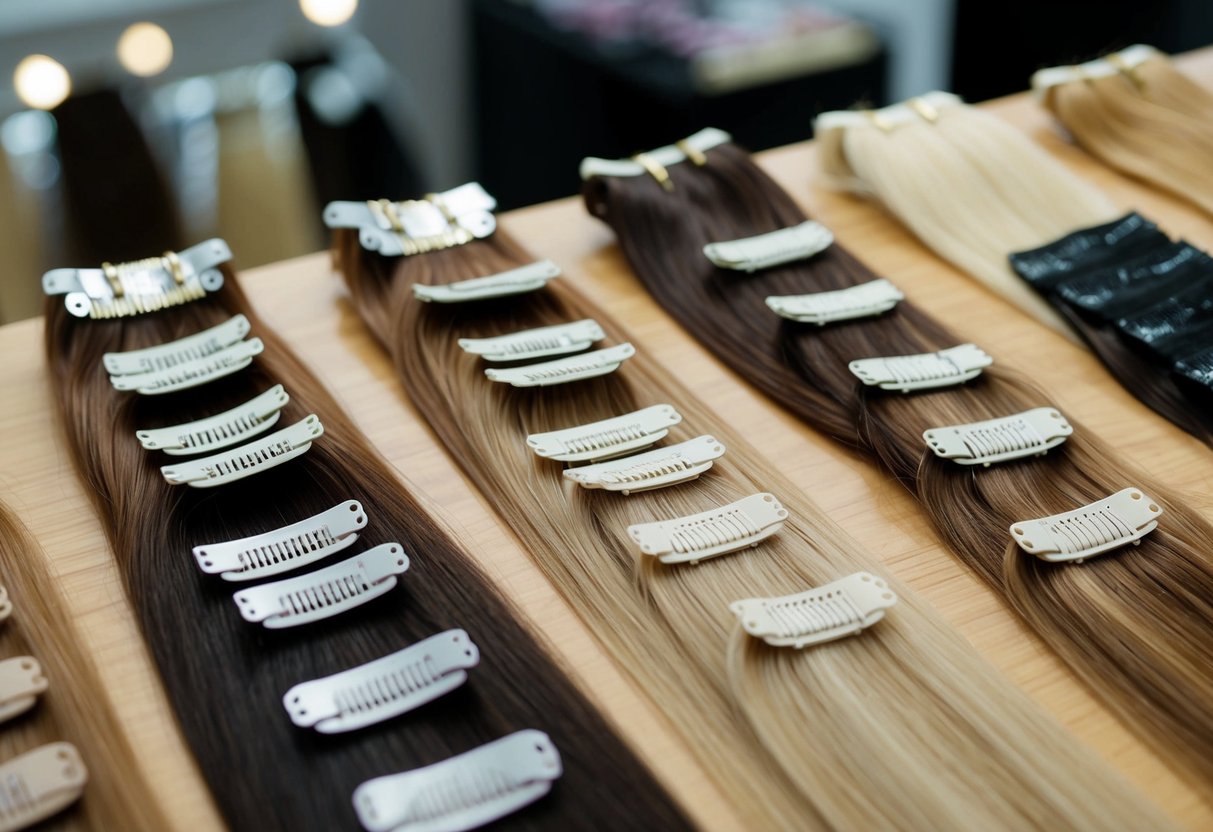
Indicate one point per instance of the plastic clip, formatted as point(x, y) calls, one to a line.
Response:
point(528, 278)
point(248, 459)
point(530, 344)
point(290, 547)
point(462, 792)
point(564, 370)
point(21, 681)
point(923, 372)
point(326, 592)
point(698, 537)
point(1031, 433)
point(222, 430)
point(863, 301)
point(840, 608)
point(6, 605)
point(417, 226)
point(1125, 517)
point(655, 469)
point(126, 289)
point(39, 784)
point(608, 438)
point(175, 353)
point(762, 251)
point(384, 688)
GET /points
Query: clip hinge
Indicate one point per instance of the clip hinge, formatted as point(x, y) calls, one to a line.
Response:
point(1031, 433)
point(926, 371)
point(863, 301)
point(698, 537)
point(655, 469)
point(841, 608)
point(1125, 517)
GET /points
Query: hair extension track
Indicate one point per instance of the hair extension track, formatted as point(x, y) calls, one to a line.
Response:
point(878, 731)
point(226, 677)
point(1136, 625)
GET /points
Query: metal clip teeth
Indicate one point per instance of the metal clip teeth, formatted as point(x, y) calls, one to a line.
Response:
point(248, 459)
point(193, 373)
point(608, 438)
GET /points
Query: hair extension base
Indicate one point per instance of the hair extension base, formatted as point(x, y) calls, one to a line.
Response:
point(220, 431)
point(530, 344)
point(863, 301)
point(923, 372)
point(667, 156)
point(1030, 433)
point(462, 792)
point(40, 783)
point(841, 608)
point(744, 523)
point(1073, 536)
point(763, 251)
point(564, 370)
point(606, 439)
point(127, 289)
point(248, 459)
point(384, 688)
point(655, 469)
point(21, 681)
point(282, 550)
point(195, 373)
point(524, 279)
point(438, 221)
point(325, 592)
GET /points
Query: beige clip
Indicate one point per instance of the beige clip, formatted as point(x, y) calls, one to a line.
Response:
point(6, 606)
point(21, 681)
point(924, 108)
point(40, 783)
point(655, 169)
point(696, 156)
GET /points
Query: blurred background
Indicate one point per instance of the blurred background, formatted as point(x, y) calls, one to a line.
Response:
point(129, 127)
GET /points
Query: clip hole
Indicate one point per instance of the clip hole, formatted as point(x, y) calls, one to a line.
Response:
point(1153, 507)
point(1136, 495)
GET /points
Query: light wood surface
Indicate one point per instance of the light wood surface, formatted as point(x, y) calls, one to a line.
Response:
point(307, 305)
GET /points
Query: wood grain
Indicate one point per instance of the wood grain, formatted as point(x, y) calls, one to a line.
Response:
point(307, 304)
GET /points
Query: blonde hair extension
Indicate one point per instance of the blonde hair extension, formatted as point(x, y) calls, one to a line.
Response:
point(75, 707)
point(903, 726)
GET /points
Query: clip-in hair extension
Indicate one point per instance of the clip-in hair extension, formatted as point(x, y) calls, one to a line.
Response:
point(528, 278)
point(222, 430)
point(564, 370)
point(21, 681)
point(1125, 517)
point(6, 606)
point(749, 254)
point(462, 792)
point(924, 371)
point(39, 784)
point(192, 373)
point(1125, 62)
point(608, 438)
point(284, 549)
point(325, 592)
point(248, 459)
point(840, 608)
point(175, 353)
point(125, 289)
point(1030, 433)
point(863, 301)
point(691, 148)
point(530, 344)
point(697, 537)
point(656, 469)
point(381, 689)
point(416, 226)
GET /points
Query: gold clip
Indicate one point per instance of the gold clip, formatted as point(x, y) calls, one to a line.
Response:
point(385, 210)
point(111, 274)
point(655, 170)
point(438, 202)
point(694, 154)
point(878, 121)
point(924, 109)
point(1129, 72)
point(172, 263)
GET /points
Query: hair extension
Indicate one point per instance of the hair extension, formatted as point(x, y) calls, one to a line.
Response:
point(226, 677)
point(75, 706)
point(975, 190)
point(1134, 625)
point(1141, 116)
point(901, 727)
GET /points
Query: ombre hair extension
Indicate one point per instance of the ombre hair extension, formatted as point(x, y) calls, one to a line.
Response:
point(1135, 111)
point(902, 726)
point(75, 707)
point(226, 677)
point(1136, 624)
point(976, 190)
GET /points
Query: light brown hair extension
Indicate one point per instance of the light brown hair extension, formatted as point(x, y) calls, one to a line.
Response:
point(903, 726)
point(75, 707)
point(1136, 625)
point(976, 190)
point(225, 677)
point(1149, 121)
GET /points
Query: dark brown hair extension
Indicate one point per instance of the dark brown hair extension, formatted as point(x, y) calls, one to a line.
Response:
point(75, 707)
point(901, 727)
point(225, 677)
point(1135, 625)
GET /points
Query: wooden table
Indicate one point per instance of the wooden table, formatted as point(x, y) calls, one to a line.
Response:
point(307, 304)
